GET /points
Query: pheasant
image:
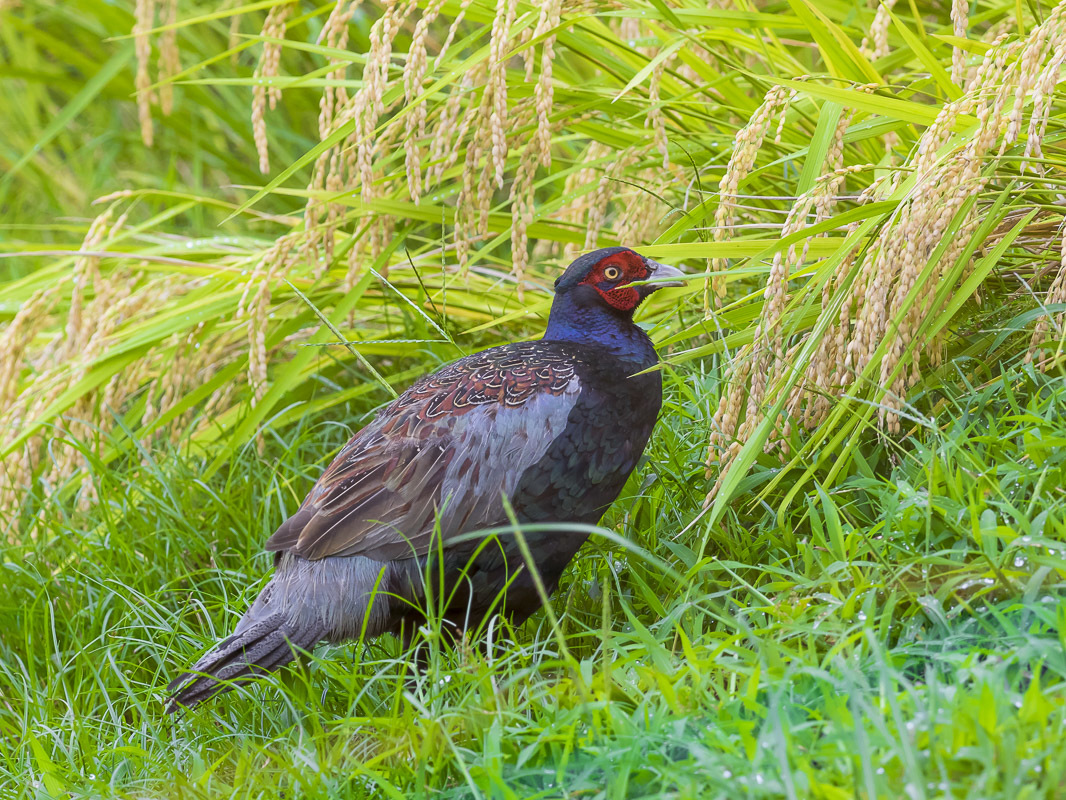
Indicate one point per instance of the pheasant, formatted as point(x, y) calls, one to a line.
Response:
point(547, 431)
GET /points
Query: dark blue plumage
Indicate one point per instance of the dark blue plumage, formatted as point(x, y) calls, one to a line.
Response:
point(554, 427)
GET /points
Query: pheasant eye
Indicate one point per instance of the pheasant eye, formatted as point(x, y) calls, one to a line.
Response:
point(612, 273)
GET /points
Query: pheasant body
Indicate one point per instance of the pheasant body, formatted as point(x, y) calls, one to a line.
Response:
point(548, 431)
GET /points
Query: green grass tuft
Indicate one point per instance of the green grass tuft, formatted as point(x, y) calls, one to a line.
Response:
point(873, 616)
point(898, 634)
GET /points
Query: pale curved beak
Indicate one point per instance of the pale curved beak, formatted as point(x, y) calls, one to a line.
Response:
point(663, 275)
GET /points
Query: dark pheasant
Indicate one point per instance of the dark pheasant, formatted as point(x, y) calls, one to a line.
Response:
point(553, 426)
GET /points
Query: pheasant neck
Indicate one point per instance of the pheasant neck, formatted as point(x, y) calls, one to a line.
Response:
point(593, 325)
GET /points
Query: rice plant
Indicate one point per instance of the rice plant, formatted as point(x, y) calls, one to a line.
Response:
point(229, 230)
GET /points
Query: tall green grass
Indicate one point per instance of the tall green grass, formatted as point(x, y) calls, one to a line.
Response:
point(873, 616)
point(900, 633)
point(200, 222)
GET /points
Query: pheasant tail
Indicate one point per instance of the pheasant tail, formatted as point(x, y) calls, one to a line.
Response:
point(261, 648)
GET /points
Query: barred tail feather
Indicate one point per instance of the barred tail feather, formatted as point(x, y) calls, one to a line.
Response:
point(260, 648)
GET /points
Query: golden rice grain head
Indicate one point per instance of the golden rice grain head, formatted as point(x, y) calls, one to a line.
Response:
point(757, 383)
point(1043, 89)
point(544, 90)
point(888, 410)
point(943, 187)
point(314, 210)
point(475, 195)
point(382, 230)
point(169, 61)
point(521, 219)
point(991, 65)
point(580, 192)
point(868, 303)
point(834, 174)
point(769, 335)
point(369, 101)
point(497, 86)
point(1056, 294)
point(528, 54)
point(257, 357)
point(656, 119)
point(629, 29)
point(641, 210)
point(266, 69)
point(746, 146)
point(875, 43)
point(234, 40)
point(81, 423)
point(823, 371)
point(960, 10)
point(466, 204)
point(1047, 41)
point(937, 135)
point(335, 35)
point(1029, 71)
point(270, 61)
point(600, 200)
point(782, 113)
point(182, 364)
point(452, 29)
point(415, 125)
point(349, 161)
point(484, 200)
point(452, 126)
point(597, 211)
point(522, 203)
point(144, 19)
point(31, 318)
point(274, 266)
point(891, 141)
point(905, 246)
point(86, 271)
point(726, 420)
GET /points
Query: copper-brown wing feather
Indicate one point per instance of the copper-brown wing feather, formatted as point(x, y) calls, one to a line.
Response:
point(448, 449)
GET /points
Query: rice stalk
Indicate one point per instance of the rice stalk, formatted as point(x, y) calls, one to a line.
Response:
point(875, 43)
point(263, 93)
point(169, 60)
point(960, 11)
point(746, 147)
point(948, 173)
point(144, 19)
point(1056, 294)
point(490, 168)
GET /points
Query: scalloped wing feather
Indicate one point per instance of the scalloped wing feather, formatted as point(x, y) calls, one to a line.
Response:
point(446, 452)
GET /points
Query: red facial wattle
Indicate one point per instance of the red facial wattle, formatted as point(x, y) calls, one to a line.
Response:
point(624, 268)
point(623, 299)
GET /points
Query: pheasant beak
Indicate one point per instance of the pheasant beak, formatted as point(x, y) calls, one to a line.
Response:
point(661, 275)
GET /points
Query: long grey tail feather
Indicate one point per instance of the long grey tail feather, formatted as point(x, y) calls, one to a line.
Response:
point(259, 649)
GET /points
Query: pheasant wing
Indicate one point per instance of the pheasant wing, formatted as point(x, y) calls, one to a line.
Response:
point(449, 449)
